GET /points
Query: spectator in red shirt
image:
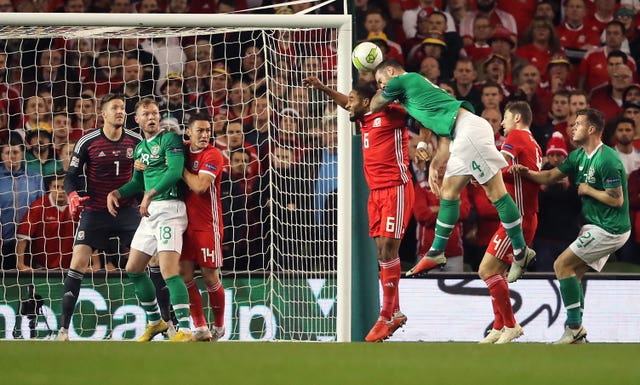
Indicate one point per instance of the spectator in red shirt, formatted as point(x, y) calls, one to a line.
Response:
point(540, 43)
point(575, 37)
point(497, 17)
point(479, 49)
point(48, 228)
point(608, 97)
point(603, 15)
point(593, 67)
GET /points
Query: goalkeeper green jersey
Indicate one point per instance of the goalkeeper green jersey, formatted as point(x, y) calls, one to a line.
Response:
point(600, 170)
point(163, 155)
point(426, 102)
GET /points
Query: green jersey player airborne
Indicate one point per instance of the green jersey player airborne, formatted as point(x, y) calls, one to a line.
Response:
point(466, 149)
point(602, 185)
point(164, 219)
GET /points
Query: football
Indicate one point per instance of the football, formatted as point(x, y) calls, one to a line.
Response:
point(366, 56)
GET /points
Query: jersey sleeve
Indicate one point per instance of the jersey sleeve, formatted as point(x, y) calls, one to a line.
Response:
point(612, 173)
point(72, 180)
point(212, 163)
point(568, 166)
point(394, 89)
point(512, 145)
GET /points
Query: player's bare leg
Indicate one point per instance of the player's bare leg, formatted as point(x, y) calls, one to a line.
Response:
point(447, 219)
point(79, 263)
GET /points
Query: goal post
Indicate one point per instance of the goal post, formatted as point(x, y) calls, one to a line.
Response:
point(294, 279)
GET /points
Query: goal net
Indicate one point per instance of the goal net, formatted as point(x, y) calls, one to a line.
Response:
point(284, 226)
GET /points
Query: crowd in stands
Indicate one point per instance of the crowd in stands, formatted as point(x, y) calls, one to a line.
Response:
point(559, 56)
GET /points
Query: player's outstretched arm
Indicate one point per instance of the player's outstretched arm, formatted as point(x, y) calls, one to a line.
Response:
point(379, 102)
point(540, 177)
point(313, 82)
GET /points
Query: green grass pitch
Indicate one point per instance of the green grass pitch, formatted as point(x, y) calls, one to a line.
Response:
point(122, 363)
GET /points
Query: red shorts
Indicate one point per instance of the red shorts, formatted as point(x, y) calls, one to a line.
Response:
point(390, 211)
point(500, 245)
point(202, 247)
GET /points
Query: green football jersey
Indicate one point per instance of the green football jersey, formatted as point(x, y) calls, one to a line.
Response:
point(426, 102)
point(158, 153)
point(602, 170)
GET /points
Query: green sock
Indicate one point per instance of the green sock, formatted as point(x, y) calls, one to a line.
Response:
point(179, 299)
point(446, 222)
point(511, 220)
point(146, 293)
point(581, 300)
point(571, 292)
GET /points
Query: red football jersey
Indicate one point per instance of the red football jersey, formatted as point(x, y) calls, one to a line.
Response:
point(50, 230)
point(523, 149)
point(577, 38)
point(385, 147)
point(205, 210)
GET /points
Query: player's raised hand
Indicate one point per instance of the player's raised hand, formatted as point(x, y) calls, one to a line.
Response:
point(76, 204)
point(312, 81)
point(113, 202)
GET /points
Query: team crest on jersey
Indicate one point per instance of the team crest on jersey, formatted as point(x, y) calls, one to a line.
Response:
point(155, 150)
point(195, 165)
point(129, 153)
point(591, 179)
point(80, 235)
point(377, 122)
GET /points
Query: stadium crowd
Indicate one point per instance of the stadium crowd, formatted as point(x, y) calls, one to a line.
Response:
point(558, 56)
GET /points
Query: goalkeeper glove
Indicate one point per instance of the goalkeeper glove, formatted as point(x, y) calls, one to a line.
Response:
point(75, 204)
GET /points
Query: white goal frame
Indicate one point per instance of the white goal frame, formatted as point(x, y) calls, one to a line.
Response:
point(343, 23)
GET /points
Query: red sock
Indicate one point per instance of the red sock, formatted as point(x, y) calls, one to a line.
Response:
point(195, 304)
point(499, 290)
point(391, 271)
point(216, 299)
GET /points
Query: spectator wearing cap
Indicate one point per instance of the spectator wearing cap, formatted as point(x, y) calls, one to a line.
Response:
point(503, 43)
point(608, 97)
point(624, 134)
point(479, 50)
point(432, 46)
point(593, 69)
point(540, 43)
point(559, 74)
point(495, 70)
point(559, 215)
point(409, 18)
point(375, 23)
point(496, 16)
point(175, 109)
point(575, 37)
point(389, 49)
point(39, 155)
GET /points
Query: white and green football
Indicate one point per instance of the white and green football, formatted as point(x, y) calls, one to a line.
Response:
point(366, 56)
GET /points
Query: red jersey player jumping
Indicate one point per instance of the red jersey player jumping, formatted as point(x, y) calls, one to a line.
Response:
point(203, 237)
point(385, 143)
point(519, 148)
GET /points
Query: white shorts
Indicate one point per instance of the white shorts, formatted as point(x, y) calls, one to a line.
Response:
point(594, 245)
point(473, 149)
point(162, 230)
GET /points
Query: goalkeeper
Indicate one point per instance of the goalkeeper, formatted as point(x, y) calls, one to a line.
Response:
point(164, 220)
